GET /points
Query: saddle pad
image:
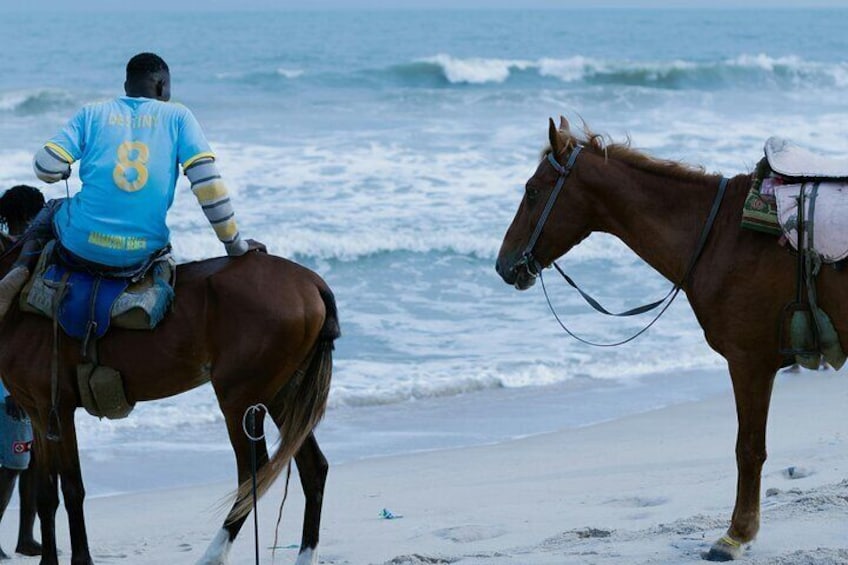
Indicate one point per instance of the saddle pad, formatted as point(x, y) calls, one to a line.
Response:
point(791, 160)
point(140, 307)
point(87, 298)
point(830, 224)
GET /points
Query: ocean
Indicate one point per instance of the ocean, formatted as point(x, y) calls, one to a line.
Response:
point(387, 150)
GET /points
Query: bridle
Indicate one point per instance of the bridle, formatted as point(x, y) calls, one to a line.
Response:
point(534, 267)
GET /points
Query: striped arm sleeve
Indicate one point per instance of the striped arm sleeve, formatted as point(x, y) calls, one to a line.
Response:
point(51, 165)
point(211, 193)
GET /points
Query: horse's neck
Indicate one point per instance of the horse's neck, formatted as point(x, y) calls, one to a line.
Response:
point(659, 218)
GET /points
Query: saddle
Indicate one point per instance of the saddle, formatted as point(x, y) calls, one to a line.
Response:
point(803, 197)
point(781, 177)
point(85, 303)
point(790, 160)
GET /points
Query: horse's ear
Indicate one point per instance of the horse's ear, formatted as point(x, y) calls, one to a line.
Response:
point(554, 137)
point(563, 124)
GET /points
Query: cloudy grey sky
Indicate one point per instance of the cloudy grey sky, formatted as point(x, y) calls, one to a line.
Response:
point(185, 5)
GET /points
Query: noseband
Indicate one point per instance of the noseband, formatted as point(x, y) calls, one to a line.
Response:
point(527, 260)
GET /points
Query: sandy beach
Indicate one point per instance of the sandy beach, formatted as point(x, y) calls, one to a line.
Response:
point(652, 488)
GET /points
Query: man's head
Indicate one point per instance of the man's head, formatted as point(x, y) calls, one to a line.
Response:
point(18, 206)
point(148, 76)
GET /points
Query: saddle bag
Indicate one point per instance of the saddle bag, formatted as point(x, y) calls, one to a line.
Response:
point(102, 392)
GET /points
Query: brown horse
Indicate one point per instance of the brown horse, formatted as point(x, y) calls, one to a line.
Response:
point(259, 327)
point(737, 289)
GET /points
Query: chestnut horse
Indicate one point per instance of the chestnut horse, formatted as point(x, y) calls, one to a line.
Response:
point(259, 327)
point(737, 289)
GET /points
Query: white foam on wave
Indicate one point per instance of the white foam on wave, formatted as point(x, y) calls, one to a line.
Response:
point(476, 70)
point(283, 72)
point(481, 70)
point(316, 201)
point(289, 73)
point(580, 68)
point(809, 74)
point(11, 100)
point(766, 62)
point(370, 383)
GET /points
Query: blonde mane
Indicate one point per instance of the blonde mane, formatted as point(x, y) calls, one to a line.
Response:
point(601, 144)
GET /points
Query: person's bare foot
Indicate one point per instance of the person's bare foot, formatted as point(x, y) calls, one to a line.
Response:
point(10, 286)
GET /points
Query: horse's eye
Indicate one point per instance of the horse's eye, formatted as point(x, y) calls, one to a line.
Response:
point(531, 194)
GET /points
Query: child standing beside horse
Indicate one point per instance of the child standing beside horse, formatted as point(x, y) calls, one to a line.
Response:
point(18, 206)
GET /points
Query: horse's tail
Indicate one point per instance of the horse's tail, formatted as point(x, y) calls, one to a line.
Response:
point(297, 407)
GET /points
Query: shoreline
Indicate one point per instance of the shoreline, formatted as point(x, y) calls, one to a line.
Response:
point(651, 488)
point(201, 454)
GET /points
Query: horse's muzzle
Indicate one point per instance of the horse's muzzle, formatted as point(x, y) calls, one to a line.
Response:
point(517, 274)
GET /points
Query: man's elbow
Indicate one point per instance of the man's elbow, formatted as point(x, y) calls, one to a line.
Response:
point(49, 168)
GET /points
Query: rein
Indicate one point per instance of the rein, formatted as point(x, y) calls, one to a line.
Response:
point(248, 424)
point(534, 267)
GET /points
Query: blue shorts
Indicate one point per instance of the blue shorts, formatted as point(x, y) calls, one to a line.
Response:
point(15, 441)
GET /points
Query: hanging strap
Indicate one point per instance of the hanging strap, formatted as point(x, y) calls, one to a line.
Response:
point(54, 426)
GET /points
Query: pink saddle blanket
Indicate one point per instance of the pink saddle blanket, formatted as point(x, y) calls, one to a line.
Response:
point(830, 221)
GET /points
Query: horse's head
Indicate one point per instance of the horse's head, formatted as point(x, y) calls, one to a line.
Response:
point(551, 217)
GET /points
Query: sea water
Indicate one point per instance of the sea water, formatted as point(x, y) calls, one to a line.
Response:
point(387, 150)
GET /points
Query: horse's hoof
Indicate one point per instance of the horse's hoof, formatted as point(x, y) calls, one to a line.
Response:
point(307, 557)
point(30, 548)
point(725, 549)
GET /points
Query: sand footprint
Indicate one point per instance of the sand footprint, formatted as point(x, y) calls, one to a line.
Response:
point(416, 559)
point(469, 533)
point(110, 556)
point(638, 501)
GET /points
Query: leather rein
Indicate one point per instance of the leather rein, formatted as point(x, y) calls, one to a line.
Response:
point(535, 268)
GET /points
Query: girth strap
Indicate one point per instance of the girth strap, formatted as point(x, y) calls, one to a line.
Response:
point(54, 427)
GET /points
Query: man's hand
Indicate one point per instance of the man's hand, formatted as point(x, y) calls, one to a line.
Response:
point(253, 245)
point(13, 410)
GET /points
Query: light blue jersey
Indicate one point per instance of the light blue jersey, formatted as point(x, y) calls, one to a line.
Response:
point(130, 150)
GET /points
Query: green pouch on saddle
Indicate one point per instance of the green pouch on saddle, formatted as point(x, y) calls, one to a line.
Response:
point(102, 392)
point(802, 337)
point(759, 212)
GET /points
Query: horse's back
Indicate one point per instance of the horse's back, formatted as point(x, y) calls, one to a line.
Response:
point(261, 299)
point(231, 316)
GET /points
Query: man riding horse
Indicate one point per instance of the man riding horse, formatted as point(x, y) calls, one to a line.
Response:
point(129, 149)
point(271, 348)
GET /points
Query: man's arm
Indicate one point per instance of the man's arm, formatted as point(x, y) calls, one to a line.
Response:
point(53, 161)
point(211, 193)
point(52, 164)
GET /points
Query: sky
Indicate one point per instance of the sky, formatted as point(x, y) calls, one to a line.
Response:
point(225, 5)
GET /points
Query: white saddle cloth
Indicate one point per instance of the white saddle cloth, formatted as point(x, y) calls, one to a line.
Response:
point(830, 224)
point(786, 158)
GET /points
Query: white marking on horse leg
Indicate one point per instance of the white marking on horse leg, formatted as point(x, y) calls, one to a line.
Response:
point(726, 549)
point(307, 557)
point(218, 552)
